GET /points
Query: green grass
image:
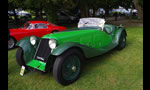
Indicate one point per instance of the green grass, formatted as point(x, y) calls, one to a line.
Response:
point(116, 70)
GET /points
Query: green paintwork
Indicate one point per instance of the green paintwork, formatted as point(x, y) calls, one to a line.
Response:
point(91, 42)
point(88, 52)
point(37, 64)
point(29, 50)
point(89, 38)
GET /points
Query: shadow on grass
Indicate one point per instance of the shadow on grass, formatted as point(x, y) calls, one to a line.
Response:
point(101, 59)
point(91, 63)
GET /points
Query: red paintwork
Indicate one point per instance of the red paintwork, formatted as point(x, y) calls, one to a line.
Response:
point(20, 33)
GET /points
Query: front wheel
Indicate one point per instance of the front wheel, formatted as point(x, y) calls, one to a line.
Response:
point(19, 57)
point(67, 67)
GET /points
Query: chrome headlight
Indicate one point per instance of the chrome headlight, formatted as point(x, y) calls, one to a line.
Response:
point(52, 43)
point(33, 40)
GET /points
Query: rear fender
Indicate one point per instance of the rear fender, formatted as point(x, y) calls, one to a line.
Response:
point(118, 34)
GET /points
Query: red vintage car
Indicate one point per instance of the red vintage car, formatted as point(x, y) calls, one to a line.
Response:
point(37, 28)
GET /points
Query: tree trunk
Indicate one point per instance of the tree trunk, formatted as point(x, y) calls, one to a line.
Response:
point(51, 12)
point(94, 12)
point(15, 16)
point(84, 10)
point(106, 11)
point(38, 14)
point(130, 15)
point(51, 16)
point(139, 9)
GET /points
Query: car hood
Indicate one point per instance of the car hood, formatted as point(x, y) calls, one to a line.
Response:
point(71, 36)
point(67, 34)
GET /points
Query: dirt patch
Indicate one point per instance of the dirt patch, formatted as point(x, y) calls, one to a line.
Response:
point(126, 22)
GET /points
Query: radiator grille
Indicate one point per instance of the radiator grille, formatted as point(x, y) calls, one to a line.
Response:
point(43, 50)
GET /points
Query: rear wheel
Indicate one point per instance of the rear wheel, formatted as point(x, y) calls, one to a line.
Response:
point(67, 67)
point(122, 41)
point(54, 31)
point(11, 43)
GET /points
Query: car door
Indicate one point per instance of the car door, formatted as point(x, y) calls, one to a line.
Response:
point(101, 39)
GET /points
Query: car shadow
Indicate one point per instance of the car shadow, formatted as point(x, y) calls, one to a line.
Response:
point(92, 63)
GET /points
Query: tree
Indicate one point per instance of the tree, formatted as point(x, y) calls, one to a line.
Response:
point(51, 7)
point(14, 4)
point(36, 6)
point(139, 6)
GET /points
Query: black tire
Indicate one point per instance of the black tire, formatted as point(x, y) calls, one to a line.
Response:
point(122, 41)
point(59, 65)
point(54, 31)
point(11, 43)
point(19, 57)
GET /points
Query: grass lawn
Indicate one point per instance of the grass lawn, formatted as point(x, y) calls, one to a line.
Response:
point(115, 70)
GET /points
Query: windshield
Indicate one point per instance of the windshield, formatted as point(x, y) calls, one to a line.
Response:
point(28, 26)
point(83, 28)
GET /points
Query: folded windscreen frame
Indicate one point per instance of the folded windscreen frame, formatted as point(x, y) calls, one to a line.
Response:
point(91, 22)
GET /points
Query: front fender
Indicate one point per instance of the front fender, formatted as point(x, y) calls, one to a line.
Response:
point(28, 49)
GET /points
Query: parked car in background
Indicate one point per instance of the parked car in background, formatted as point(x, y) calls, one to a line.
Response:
point(24, 15)
point(37, 28)
point(65, 52)
point(64, 17)
point(8, 34)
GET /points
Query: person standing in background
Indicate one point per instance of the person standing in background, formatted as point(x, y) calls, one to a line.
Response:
point(116, 16)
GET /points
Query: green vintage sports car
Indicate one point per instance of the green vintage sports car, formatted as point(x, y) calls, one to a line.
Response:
point(65, 52)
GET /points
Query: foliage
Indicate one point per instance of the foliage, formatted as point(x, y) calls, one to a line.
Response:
point(139, 6)
point(140, 3)
point(51, 7)
point(15, 4)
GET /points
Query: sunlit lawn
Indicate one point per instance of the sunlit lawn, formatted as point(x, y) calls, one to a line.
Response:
point(116, 70)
